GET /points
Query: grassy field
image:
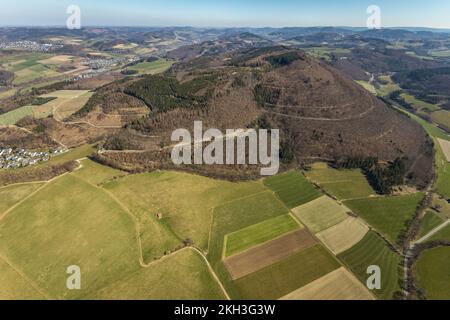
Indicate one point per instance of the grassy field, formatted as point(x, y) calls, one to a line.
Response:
point(432, 271)
point(368, 86)
point(10, 118)
point(14, 287)
point(11, 195)
point(430, 221)
point(440, 53)
point(442, 165)
point(286, 276)
point(67, 102)
point(260, 233)
point(444, 234)
point(419, 104)
point(7, 93)
point(441, 117)
point(182, 276)
point(344, 184)
point(237, 215)
point(42, 237)
point(325, 52)
point(47, 233)
point(154, 67)
point(344, 235)
point(372, 250)
point(184, 201)
point(27, 67)
point(388, 215)
point(292, 188)
point(337, 285)
point(32, 73)
point(443, 172)
point(97, 174)
point(388, 86)
point(321, 214)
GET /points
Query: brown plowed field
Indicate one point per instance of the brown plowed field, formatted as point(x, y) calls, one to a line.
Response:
point(269, 253)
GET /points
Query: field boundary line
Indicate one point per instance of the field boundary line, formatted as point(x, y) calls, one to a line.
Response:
point(24, 277)
point(211, 270)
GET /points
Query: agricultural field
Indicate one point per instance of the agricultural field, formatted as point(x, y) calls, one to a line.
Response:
point(372, 250)
point(430, 222)
point(185, 213)
point(10, 118)
point(42, 238)
point(7, 93)
point(125, 46)
point(57, 60)
point(325, 52)
point(343, 184)
point(181, 276)
point(284, 277)
point(96, 174)
point(432, 272)
point(13, 286)
point(258, 234)
point(11, 195)
point(99, 236)
point(389, 215)
point(321, 214)
point(269, 253)
point(440, 53)
point(337, 285)
point(441, 206)
point(443, 234)
point(368, 86)
point(445, 147)
point(443, 172)
point(442, 118)
point(387, 86)
point(67, 102)
point(419, 104)
point(442, 165)
point(154, 67)
point(32, 73)
point(292, 188)
point(27, 67)
point(344, 235)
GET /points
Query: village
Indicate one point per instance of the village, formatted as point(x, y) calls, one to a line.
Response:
point(18, 158)
point(31, 46)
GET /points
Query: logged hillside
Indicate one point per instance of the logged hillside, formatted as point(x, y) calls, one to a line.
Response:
point(320, 112)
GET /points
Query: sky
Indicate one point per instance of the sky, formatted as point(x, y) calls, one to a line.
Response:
point(226, 13)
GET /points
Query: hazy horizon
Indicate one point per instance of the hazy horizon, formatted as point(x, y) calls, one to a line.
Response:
point(227, 14)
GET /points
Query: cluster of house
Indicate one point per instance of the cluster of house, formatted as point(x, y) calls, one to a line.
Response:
point(99, 66)
point(17, 158)
point(29, 46)
point(102, 64)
